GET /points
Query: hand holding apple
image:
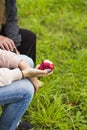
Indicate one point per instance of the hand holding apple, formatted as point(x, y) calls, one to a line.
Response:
point(46, 64)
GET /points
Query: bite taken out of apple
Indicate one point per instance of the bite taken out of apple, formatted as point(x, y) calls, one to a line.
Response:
point(46, 64)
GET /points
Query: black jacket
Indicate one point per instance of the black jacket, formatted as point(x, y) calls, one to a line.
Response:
point(11, 28)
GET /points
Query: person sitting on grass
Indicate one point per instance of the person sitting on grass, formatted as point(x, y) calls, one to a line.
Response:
point(12, 36)
point(18, 83)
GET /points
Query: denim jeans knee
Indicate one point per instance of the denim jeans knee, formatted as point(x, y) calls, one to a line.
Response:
point(25, 91)
point(17, 97)
point(28, 59)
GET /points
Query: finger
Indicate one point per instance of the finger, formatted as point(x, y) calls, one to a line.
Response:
point(6, 46)
point(10, 45)
point(49, 70)
point(50, 73)
point(41, 72)
point(2, 46)
point(46, 72)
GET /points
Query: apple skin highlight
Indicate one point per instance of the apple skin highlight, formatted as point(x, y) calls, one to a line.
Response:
point(46, 64)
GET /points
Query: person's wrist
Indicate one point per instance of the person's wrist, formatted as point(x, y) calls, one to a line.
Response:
point(22, 74)
point(25, 73)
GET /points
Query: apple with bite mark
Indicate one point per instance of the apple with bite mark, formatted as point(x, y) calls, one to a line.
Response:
point(46, 64)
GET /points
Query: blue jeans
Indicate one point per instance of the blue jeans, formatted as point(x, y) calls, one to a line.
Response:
point(16, 98)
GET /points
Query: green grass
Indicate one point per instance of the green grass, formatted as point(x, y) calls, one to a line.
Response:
point(61, 29)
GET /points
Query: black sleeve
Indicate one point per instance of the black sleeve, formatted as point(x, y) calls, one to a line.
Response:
point(11, 28)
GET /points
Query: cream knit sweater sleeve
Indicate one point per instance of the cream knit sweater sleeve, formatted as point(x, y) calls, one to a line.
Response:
point(9, 70)
point(7, 76)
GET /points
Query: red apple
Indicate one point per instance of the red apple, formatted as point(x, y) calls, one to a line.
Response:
point(46, 64)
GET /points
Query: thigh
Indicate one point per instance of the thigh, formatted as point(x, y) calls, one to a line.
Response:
point(15, 91)
point(28, 43)
point(28, 40)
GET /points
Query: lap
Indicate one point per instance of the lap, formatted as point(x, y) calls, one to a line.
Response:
point(15, 91)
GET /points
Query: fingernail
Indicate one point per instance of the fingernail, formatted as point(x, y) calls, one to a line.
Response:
point(49, 70)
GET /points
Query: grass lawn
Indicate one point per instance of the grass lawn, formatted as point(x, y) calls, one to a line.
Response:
point(61, 29)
